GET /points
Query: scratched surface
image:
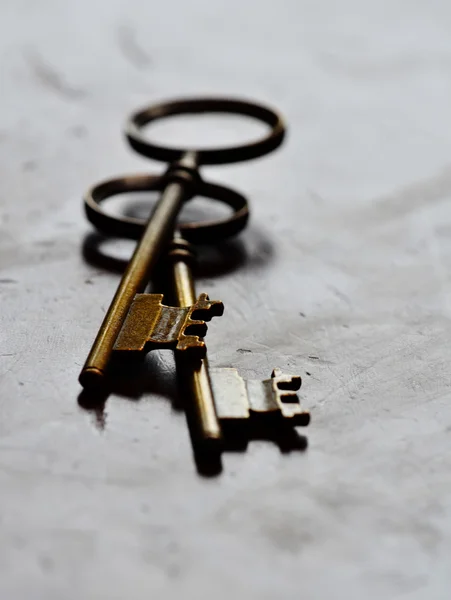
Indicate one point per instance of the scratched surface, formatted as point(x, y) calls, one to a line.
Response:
point(343, 277)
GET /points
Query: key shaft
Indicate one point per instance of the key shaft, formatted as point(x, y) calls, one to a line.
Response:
point(195, 375)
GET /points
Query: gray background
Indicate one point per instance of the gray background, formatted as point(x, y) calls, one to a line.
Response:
point(347, 260)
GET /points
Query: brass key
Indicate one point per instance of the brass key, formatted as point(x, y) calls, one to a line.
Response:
point(222, 395)
point(181, 182)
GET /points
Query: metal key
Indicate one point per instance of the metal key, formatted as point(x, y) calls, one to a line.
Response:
point(222, 394)
point(180, 183)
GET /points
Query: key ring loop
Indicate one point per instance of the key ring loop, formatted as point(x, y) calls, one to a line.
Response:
point(207, 232)
point(229, 154)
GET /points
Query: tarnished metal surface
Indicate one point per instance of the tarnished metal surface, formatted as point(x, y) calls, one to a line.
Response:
point(150, 325)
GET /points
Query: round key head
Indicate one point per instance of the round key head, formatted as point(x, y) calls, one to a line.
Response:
point(219, 155)
point(205, 232)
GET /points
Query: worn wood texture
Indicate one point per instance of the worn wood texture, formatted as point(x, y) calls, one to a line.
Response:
point(344, 278)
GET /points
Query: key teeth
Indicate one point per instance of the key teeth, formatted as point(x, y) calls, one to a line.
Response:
point(285, 388)
point(217, 308)
point(285, 382)
point(205, 309)
point(289, 397)
point(191, 338)
point(193, 345)
point(195, 327)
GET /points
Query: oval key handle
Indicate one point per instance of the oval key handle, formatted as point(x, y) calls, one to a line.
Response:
point(206, 232)
point(213, 156)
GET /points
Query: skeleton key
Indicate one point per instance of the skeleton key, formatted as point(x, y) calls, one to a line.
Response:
point(222, 394)
point(181, 182)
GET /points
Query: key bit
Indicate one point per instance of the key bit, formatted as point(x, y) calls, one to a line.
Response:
point(150, 324)
point(238, 399)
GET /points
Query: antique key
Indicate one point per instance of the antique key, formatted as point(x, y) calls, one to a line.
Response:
point(181, 182)
point(222, 395)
